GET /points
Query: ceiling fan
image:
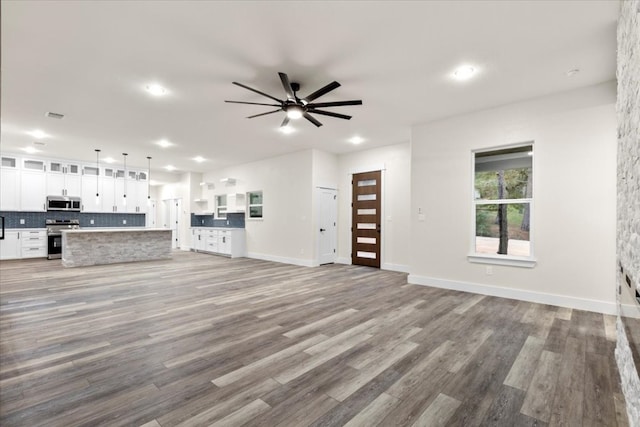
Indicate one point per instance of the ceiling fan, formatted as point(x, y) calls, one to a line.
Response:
point(296, 107)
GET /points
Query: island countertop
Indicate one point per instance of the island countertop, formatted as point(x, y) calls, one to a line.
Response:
point(113, 229)
point(95, 246)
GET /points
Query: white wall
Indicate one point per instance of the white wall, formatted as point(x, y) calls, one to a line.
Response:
point(574, 194)
point(395, 160)
point(285, 233)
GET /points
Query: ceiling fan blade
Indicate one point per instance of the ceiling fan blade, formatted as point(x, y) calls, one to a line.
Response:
point(252, 103)
point(317, 94)
point(335, 104)
point(257, 91)
point(285, 121)
point(264, 114)
point(311, 119)
point(329, 113)
point(287, 86)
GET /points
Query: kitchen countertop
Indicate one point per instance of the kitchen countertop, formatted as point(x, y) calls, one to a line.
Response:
point(218, 228)
point(114, 230)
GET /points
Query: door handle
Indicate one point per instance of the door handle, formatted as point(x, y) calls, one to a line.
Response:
point(322, 229)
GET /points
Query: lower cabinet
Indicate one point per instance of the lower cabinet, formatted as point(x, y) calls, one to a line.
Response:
point(10, 246)
point(27, 243)
point(34, 244)
point(222, 241)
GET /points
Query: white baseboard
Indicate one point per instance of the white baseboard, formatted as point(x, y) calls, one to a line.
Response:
point(401, 268)
point(284, 260)
point(630, 310)
point(519, 294)
point(343, 260)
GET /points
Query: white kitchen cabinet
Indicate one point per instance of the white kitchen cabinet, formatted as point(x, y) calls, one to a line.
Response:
point(9, 184)
point(10, 247)
point(91, 186)
point(33, 191)
point(64, 179)
point(33, 243)
point(224, 242)
point(221, 241)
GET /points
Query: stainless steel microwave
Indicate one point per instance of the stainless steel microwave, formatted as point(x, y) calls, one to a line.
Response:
point(64, 203)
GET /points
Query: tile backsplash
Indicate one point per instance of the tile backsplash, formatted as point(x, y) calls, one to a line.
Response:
point(37, 219)
point(236, 220)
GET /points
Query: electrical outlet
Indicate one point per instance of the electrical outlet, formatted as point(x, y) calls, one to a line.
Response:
point(21, 221)
point(92, 222)
point(124, 221)
point(203, 222)
point(227, 222)
point(489, 270)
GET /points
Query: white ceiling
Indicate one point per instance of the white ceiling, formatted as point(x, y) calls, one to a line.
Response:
point(91, 61)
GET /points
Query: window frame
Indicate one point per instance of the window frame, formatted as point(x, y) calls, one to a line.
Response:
point(250, 205)
point(498, 259)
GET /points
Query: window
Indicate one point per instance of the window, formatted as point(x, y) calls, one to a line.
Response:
point(502, 206)
point(221, 206)
point(255, 204)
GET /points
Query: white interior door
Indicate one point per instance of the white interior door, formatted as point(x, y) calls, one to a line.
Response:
point(327, 225)
point(171, 219)
point(150, 217)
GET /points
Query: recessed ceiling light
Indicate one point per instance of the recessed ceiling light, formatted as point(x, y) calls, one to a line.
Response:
point(155, 89)
point(108, 160)
point(572, 72)
point(38, 134)
point(199, 159)
point(30, 150)
point(356, 140)
point(286, 129)
point(170, 168)
point(464, 73)
point(164, 143)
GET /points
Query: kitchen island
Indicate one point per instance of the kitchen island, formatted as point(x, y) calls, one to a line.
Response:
point(88, 246)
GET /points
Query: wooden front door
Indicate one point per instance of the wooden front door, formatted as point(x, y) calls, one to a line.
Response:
point(365, 231)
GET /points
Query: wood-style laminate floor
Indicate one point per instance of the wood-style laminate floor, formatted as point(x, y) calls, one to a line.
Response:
point(205, 340)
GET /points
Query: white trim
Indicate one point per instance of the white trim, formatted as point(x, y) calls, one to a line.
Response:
point(630, 310)
point(284, 260)
point(518, 294)
point(343, 260)
point(401, 268)
point(502, 260)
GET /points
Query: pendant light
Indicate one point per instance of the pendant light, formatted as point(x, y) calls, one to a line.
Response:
point(98, 175)
point(124, 196)
point(149, 181)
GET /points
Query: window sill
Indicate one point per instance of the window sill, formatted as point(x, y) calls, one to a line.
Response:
point(512, 261)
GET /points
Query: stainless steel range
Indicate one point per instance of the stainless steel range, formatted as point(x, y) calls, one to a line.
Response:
point(54, 235)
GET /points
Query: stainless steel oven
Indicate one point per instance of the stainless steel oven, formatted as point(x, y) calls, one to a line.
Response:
point(54, 235)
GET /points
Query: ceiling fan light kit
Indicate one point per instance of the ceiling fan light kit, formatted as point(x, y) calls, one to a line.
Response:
point(295, 107)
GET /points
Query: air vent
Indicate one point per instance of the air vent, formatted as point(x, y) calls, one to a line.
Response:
point(54, 115)
point(39, 143)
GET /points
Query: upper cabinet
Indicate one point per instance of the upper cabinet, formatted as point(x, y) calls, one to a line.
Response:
point(26, 182)
point(33, 185)
point(64, 179)
point(10, 184)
